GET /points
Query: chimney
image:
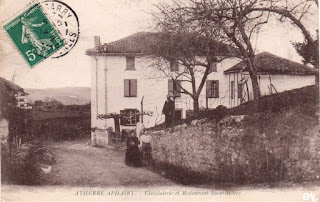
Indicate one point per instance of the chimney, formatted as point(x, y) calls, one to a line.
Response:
point(96, 41)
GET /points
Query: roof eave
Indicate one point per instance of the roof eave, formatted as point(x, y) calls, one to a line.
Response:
point(283, 73)
point(232, 71)
point(113, 54)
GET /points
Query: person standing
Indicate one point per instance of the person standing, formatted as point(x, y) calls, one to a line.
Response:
point(139, 129)
point(145, 147)
point(133, 156)
point(168, 110)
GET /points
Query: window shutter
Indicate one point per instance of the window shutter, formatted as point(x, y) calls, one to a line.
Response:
point(217, 89)
point(174, 65)
point(232, 89)
point(133, 88)
point(208, 89)
point(137, 117)
point(239, 90)
point(178, 88)
point(130, 63)
point(126, 88)
point(213, 67)
point(123, 120)
point(170, 87)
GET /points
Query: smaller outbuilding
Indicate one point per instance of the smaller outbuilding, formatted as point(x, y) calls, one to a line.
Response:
point(275, 75)
point(11, 117)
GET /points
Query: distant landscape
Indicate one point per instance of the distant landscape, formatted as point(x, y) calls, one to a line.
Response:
point(67, 96)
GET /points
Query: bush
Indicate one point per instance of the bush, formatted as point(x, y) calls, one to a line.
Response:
point(20, 168)
point(61, 128)
point(219, 113)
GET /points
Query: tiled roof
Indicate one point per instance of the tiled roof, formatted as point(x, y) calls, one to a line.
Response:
point(142, 42)
point(11, 85)
point(272, 64)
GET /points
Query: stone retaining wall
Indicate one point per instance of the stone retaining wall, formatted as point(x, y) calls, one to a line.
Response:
point(238, 149)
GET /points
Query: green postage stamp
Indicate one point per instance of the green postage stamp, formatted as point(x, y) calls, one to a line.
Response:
point(34, 35)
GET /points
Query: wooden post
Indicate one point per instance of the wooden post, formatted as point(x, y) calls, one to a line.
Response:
point(142, 109)
point(248, 91)
point(207, 104)
point(116, 123)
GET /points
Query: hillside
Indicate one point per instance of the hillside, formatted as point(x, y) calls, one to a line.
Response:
point(68, 96)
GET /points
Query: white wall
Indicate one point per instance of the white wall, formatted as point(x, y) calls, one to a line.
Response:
point(285, 82)
point(98, 91)
point(112, 70)
point(235, 101)
point(223, 84)
point(280, 82)
point(153, 90)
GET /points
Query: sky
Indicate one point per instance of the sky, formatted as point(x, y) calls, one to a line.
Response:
point(111, 20)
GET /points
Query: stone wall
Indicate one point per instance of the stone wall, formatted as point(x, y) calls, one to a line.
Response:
point(100, 137)
point(239, 149)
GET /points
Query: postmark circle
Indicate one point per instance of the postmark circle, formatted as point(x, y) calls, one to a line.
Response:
point(66, 22)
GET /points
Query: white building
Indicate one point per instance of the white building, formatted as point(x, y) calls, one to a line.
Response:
point(275, 75)
point(121, 83)
point(22, 100)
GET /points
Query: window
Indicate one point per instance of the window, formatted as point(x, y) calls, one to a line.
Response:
point(232, 89)
point(174, 65)
point(174, 88)
point(21, 100)
point(239, 90)
point(130, 63)
point(130, 87)
point(212, 89)
point(22, 94)
point(129, 117)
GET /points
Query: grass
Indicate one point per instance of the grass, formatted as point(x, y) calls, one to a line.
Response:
point(306, 98)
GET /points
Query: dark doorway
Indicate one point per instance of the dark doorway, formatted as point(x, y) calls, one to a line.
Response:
point(178, 114)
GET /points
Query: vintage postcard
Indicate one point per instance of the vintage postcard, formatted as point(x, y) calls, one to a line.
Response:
point(159, 100)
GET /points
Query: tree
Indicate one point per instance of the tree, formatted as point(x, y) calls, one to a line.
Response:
point(308, 52)
point(185, 52)
point(296, 12)
point(233, 22)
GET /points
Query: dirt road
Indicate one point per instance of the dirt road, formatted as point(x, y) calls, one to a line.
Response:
point(80, 164)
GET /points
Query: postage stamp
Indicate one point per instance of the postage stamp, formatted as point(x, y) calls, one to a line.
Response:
point(66, 21)
point(34, 35)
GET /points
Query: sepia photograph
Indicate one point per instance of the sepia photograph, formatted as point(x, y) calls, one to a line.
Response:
point(159, 100)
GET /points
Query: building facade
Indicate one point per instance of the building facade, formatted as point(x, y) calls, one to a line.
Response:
point(22, 100)
point(122, 83)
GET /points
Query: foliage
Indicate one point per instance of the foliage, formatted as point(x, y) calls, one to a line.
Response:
point(230, 22)
point(23, 166)
point(308, 52)
point(61, 128)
